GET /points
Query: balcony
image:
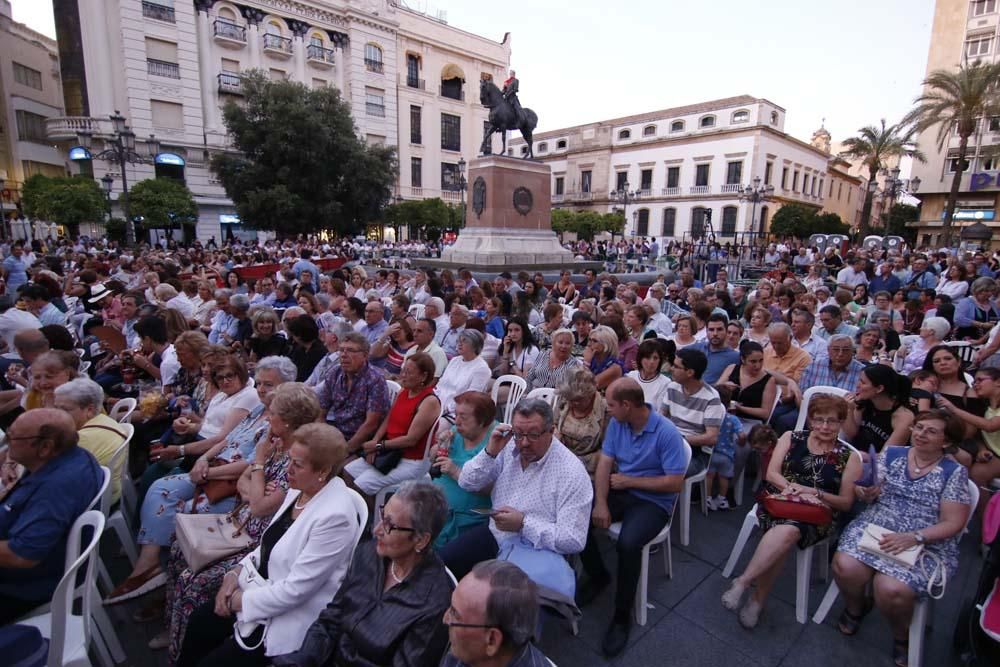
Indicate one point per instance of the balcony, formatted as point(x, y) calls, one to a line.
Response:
point(152, 10)
point(670, 192)
point(451, 195)
point(374, 65)
point(277, 45)
point(230, 83)
point(645, 191)
point(373, 109)
point(320, 55)
point(419, 84)
point(62, 128)
point(558, 199)
point(228, 33)
point(700, 189)
point(731, 188)
point(163, 68)
point(452, 94)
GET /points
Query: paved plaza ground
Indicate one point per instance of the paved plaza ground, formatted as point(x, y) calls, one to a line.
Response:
point(688, 626)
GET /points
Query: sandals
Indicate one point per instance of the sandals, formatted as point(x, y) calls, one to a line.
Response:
point(900, 652)
point(849, 624)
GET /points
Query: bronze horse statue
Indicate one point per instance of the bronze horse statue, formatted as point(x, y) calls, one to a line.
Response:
point(503, 118)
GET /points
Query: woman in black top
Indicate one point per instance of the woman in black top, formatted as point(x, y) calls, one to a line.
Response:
point(266, 341)
point(879, 414)
point(753, 388)
point(307, 351)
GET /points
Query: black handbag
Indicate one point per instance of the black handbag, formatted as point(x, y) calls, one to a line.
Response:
point(386, 461)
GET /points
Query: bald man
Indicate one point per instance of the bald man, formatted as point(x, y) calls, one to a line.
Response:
point(59, 483)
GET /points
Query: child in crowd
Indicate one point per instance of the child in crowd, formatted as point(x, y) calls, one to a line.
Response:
point(925, 384)
point(721, 463)
point(762, 439)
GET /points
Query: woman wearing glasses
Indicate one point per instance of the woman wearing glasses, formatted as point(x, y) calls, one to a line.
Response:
point(813, 464)
point(388, 610)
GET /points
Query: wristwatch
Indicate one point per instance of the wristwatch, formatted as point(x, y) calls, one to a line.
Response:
point(919, 537)
point(255, 468)
point(379, 446)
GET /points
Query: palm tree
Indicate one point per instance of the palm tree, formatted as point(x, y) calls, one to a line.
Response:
point(955, 101)
point(875, 146)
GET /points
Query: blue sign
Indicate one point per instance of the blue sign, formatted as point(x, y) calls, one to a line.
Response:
point(971, 214)
point(79, 153)
point(229, 219)
point(170, 159)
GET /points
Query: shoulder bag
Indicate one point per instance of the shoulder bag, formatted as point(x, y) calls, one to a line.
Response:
point(915, 556)
point(250, 635)
point(801, 508)
point(207, 538)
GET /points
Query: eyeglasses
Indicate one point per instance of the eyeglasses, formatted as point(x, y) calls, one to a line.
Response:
point(222, 377)
point(449, 614)
point(351, 350)
point(530, 437)
point(826, 421)
point(388, 526)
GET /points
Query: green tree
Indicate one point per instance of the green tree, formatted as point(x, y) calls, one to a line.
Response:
point(301, 166)
point(586, 224)
point(875, 147)
point(955, 101)
point(64, 200)
point(431, 216)
point(899, 216)
point(827, 223)
point(793, 220)
point(163, 203)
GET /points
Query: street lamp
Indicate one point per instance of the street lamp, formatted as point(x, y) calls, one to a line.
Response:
point(893, 187)
point(121, 150)
point(626, 198)
point(107, 181)
point(756, 194)
point(462, 185)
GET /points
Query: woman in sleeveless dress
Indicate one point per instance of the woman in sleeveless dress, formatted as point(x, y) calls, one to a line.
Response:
point(879, 413)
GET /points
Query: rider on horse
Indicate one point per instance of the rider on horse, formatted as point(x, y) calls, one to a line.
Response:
point(510, 94)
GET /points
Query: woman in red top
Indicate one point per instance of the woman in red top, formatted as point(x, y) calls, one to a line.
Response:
point(410, 419)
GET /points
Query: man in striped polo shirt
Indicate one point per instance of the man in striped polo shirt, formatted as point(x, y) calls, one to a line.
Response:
point(693, 406)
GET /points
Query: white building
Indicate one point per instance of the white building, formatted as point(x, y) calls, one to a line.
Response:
point(684, 161)
point(170, 66)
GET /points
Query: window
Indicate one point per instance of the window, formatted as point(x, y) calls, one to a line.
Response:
point(677, 126)
point(318, 83)
point(819, 190)
point(762, 225)
point(625, 134)
point(795, 181)
point(729, 221)
point(413, 71)
point(830, 193)
point(167, 114)
point(30, 127)
point(701, 175)
point(774, 118)
point(161, 10)
point(980, 7)
point(669, 221)
point(450, 177)
point(673, 177)
point(621, 181)
point(585, 177)
point(707, 121)
point(642, 222)
point(953, 165)
point(646, 179)
point(27, 76)
point(543, 147)
point(649, 131)
point(995, 124)
point(375, 140)
point(734, 173)
point(560, 185)
point(561, 145)
point(524, 150)
point(840, 190)
point(979, 45)
point(805, 184)
point(451, 132)
point(989, 163)
point(161, 58)
point(767, 173)
point(373, 58)
point(415, 134)
point(416, 172)
point(741, 116)
point(375, 102)
point(784, 178)
point(276, 74)
point(697, 222)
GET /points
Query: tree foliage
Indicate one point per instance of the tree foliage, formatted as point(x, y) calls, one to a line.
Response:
point(801, 222)
point(432, 216)
point(899, 216)
point(64, 200)
point(162, 203)
point(586, 224)
point(301, 166)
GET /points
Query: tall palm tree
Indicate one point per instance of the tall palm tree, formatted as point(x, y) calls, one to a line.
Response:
point(875, 146)
point(955, 101)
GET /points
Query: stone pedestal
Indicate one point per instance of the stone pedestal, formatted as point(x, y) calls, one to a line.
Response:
point(508, 220)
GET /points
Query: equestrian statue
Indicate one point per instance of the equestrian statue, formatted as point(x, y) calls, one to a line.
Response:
point(505, 114)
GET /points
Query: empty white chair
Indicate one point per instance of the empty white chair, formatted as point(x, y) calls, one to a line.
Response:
point(123, 519)
point(685, 501)
point(122, 410)
point(516, 387)
point(394, 389)
point(417, 310)
point(544, 393)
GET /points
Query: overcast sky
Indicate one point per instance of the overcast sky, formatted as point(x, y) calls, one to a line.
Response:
point(849, 61)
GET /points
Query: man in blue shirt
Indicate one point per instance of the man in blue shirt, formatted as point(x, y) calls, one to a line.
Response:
point(885, 281)
point(15, 269)
point(59, 484)
point(719, 354)
point(305, 264)
point(651, 458)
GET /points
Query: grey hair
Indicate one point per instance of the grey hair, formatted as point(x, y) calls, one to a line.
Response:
point(981, 283)
point(512, 604)
point(82, 392)
point(652, 303)
point(877, 314)
point(372, 295)
point(939, 325)
point(240, 302)
point(562, 332)
point(223, 292)
point(284, 366)
point(529, 407)
point(577, 383)
point(291, 312)
point(473, 338)
point(839, 337)
point(427, 506)
point(323, 298)
point(776, 327)
point(340, 329)
point(437, 302)
point(460, 308)
point(696, 292)
point(357, 338)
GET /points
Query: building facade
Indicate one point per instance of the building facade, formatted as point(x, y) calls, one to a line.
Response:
point(170, 66)
point(682, 162)
point(30, 93)
point(963, 31)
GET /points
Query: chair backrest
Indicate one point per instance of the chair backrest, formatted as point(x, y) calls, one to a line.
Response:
point(417, 310)
point(84, 367)
point(118, 463)
point(394, 389)
point(807, 396)
point(517, 388)
point(432, 434)
point(102, 500)
point(361, 509)
point(123, 409)
point(129, 497)
point(77, 556)
point(451, 575)
point(544, 393)
point(974, 503)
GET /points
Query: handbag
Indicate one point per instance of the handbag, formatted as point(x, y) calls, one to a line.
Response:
point(207, 538)
point(387, 460)
point(873, 533)
point(800, 508)
point(217, 489)
point(250, 635)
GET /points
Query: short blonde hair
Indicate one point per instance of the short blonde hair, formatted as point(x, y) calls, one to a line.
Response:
point(296, 403)
point(265, 315)
point(326, 445)
point(577, 383)
point(607, 338)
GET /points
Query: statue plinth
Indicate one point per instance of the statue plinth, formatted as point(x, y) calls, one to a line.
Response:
point(508, 220)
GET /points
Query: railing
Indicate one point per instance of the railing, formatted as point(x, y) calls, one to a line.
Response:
point(229, 30)
point(163, 68)
point(451, 195)
point(317, 52)
point(645, 192)
point(731, 187)
point(458, 95)
point(419, 84)
point(230, 83)
point(416, 191)
point(670, 192)
point(700, 189)
point(278, 43)
point(67, 127)
point(373, 109)
point(374, 65)
point(558, 199)
point(151, 10)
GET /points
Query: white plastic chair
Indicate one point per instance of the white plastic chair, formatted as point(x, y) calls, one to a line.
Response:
point(517, 387)
point(394, 389)
point(544, 393)
point(124, 518)
point(69, 634)
point(642, 594)
point(122, 410)
point(685, 501)
point(417, 310)
point(807, 396)
point(966, 351)
point(921, 610)
point(740, 480)
point(451, 575)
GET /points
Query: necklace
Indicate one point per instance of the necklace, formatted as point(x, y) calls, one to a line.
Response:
point(392, 573)
point(926, 466)
point(302, 506)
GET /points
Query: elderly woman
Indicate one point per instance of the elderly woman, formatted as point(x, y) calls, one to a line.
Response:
point(581, 416)
point(601, 356)
point(550, 365)
point(261, 488)
point(223, 463)
point(933, 331)
point(870, 345)
point(811, 463)
point(684, 330)
point(467, 371)
point(204, 308)
point(403, 433)
point(922, 499)
point(653, 382)
point(388, 609)
point(303, 557)
point(49, 371)
point(976, 315)
point(265, 341)
point(880, 413)
point(474, 422)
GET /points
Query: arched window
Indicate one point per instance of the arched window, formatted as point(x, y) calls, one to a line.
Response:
point(273, 28)
point(543, 147)
point(373, 58)
point(226, 14)
point(762, 225)
point(729, 221)
point(561, 144)
point(625, 134)
point(697, 222)
point(452, 78)
point(316, 39)
point(669, 221)
point(707, 121)
point(677, 126)
point(774, 118)
point(642, 222)
point(649, 131)
point(741, 116)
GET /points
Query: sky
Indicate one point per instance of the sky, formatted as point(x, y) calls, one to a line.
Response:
point(851, 62)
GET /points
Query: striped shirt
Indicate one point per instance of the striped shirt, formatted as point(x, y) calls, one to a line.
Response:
point(693, 413)
point(541, 375)
point(820, 373)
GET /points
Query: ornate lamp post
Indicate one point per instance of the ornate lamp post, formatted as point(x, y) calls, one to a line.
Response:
point(895, 186)
point(107, 181)
point(121, 150)
point(463, 185)
point(756, 194)
point(626, 198)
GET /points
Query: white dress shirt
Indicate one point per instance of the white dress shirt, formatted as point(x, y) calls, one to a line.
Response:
point(461, 376)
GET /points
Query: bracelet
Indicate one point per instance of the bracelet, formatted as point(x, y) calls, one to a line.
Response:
point(231, 572)
point(180, 450)
point(256, 467)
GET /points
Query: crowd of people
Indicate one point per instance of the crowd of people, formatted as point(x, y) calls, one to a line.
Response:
point(349, 422)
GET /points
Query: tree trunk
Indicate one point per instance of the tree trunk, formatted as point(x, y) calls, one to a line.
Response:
point(956, 182)
point(866, 211)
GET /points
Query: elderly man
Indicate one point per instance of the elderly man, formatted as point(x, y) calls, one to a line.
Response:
point(714, 347)
point(434, 309)
point(658, 322)
point(832, 323)
point(331, 340)
point(851, 276)
point(492, 618)
point(354, 395)
point(375, 324)
point(919, 279)
point(884, 281)
point(541, 496)
point(649, 458)
point(83, 400)
point(423, 335)
point(457, 319)
point(838, 368)
point(59, 483)
point(239, 308)
point(788, 360)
